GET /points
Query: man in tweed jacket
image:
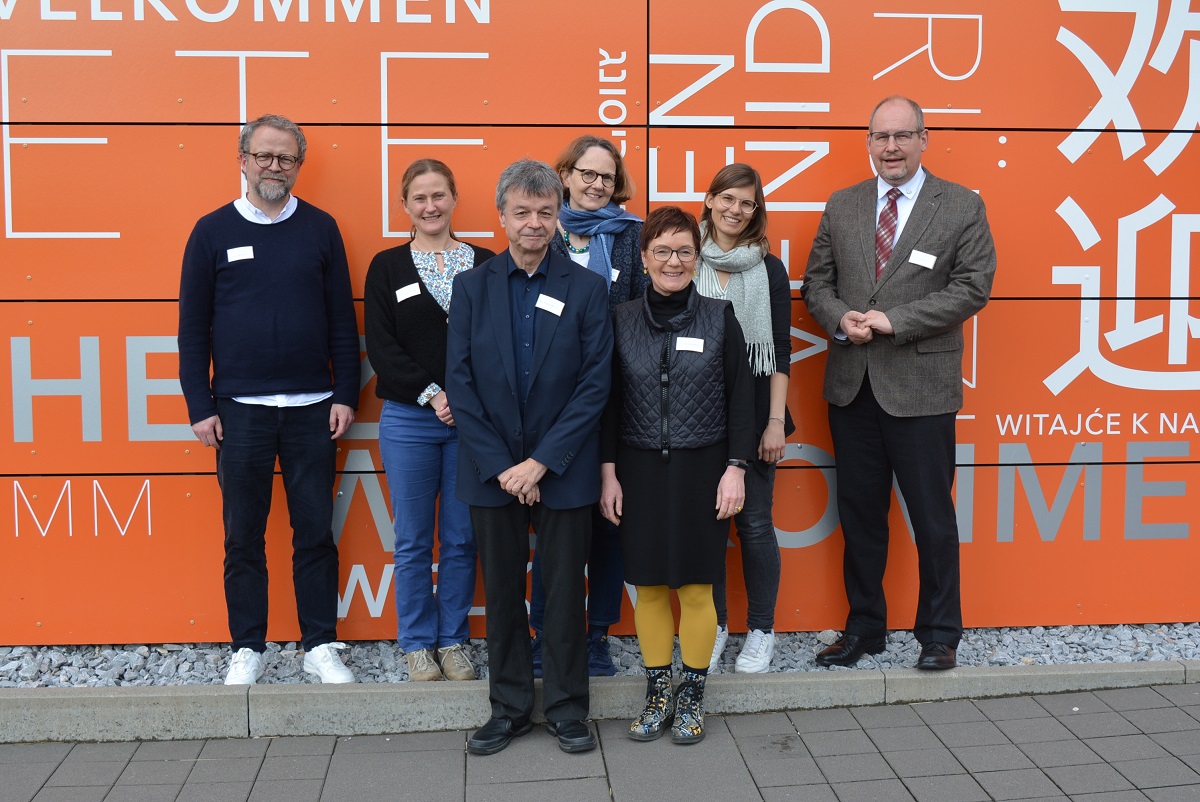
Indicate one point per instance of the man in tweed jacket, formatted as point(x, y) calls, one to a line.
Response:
point(893, 378)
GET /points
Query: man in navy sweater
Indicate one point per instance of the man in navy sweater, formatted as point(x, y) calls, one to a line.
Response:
point(265, 301)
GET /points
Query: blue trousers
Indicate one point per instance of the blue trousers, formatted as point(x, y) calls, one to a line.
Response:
point(299, 436)
point(419, 456)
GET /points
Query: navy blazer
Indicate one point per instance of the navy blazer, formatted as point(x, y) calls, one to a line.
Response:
point(569, 384)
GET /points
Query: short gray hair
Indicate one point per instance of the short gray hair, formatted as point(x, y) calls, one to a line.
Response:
point(272, 121)
point(912, 104)
point(532, 178)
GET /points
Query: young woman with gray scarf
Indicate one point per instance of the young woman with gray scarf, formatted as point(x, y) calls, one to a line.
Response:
point(736, 265)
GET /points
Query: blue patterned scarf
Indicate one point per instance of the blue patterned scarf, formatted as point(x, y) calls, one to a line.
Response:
point(600, 225)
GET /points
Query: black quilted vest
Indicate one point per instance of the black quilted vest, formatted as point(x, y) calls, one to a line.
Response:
point(671, 398)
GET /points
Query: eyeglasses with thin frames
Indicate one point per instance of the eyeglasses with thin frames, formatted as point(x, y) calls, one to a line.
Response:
point(663, 254)
point(727, 202)
point(264, 160)
point(589, 176)
point(902, 137)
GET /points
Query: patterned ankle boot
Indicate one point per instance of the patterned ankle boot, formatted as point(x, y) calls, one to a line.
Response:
point(689, 708)
point(660, 706)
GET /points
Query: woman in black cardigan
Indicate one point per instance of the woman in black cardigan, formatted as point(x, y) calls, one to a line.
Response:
point(406, 299)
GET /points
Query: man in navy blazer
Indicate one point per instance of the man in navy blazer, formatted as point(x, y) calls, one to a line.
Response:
point(529, 355)
point(899, 262)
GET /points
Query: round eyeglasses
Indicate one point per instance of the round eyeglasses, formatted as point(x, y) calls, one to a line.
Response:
point(264, 160)
point(589, 176)
point(663, 254)
point(728, 201)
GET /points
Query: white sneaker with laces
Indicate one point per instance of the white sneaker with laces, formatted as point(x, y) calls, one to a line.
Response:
point(718, 649)
point(324, 662)
point(245, 667)
point(757, 652)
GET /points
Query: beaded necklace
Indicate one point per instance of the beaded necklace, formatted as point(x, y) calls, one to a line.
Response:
point(572, 248)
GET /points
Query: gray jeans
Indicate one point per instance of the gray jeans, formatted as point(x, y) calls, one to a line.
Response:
point(760, 551)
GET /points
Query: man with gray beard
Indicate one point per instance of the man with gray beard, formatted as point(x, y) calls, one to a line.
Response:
point(265, 303)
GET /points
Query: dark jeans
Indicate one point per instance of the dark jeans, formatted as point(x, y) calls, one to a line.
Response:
point(502, 534)
point(760, 551)
point(299, 436)
point(606, 577)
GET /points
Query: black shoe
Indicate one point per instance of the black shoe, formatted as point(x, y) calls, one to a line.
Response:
point(848, 649)
point(573, 736)
point(495, 735)
point(936, 657)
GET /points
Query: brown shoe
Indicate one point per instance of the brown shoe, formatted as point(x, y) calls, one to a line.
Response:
point(455, 663)
point(422, 667)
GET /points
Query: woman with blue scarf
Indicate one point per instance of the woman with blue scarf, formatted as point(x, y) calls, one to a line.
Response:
point(595, 232)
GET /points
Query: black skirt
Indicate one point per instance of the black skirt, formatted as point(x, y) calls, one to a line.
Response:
point(670, 534)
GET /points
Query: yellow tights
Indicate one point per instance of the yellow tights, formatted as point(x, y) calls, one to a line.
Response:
point(656, 625)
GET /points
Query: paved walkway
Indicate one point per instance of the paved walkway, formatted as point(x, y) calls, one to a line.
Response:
point(1102, 746)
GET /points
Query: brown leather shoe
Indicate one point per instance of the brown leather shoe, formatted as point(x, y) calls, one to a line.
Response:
point(936, 657)
point(848, 649)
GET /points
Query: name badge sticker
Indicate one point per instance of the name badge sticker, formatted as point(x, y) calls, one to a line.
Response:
point(616, 274)
point(690, 344)
point(238, 254)
point(551, 305)
point(923, 259)
point(408, 291)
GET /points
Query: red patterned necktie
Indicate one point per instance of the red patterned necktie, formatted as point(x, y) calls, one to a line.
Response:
point(885, 235)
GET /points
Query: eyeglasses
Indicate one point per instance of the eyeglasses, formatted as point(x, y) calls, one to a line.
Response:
point(663, 254)
point(264, 160)
point(727, 202)
point(588, 176)
point(902, 137)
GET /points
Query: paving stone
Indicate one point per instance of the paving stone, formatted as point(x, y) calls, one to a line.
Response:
point(287, 791)
point(47, 753)
point(1112, 796)
point(294, 767)
point(886, 716)
point(230, 769)
point(1157, 772)
point(1059, 753)
point(20, 781)
point(168, 750)
point(823, 720)
point(841, 742)
point(960, 788)
point(800, 793)
point(899, 739)
point(872, 791)
point(235, 747)
point(1017, 784)
point(405, 742)
point(144, 793)
point(89, 753)
point(1099, 725)
point(303, 745)
point(1090, 779)
point(1179, 743)
point(771, 747)
point(215, 792)
point(924, 762)
point(1121, 699)
point(1032, 730)
point(1178, 793)
point(433, 776)
point(1170, 719)
point(969, 733)
point(854, 768)
point(97, 773)
point(594, 789)
point(536, 756)
point(155, 772)
point(791, 771)
point(1182, 695)
point(953, 712)
point(1005, 709)
point(72, 794)
point(711, 769)
point(1126, 747)
point(760, 724)
point(993, 757)
point(1072, 704)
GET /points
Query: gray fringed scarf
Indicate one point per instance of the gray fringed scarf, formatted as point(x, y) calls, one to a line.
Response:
point(750, 294)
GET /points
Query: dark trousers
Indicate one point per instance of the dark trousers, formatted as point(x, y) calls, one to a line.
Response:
point(605, 573)
point(761, 563)
point(502, 535)
point(870, 446)
point(299, 436)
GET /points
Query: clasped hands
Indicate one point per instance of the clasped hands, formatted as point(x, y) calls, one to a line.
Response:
point(860, 327)
point(522, 481)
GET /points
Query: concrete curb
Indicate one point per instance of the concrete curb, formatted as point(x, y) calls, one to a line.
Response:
point(217, 711)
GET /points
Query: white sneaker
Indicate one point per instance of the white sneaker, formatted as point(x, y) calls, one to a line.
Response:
point(324, 662)
point(718, 649)
point(245, 667)
point(757, 652)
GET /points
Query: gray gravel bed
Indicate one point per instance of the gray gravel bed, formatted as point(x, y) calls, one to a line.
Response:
point(383, 661)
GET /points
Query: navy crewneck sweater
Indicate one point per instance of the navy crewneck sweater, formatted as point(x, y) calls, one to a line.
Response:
point(270, 306)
